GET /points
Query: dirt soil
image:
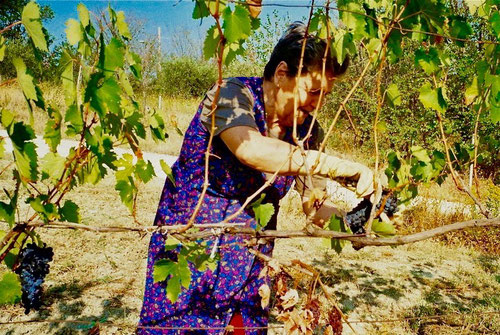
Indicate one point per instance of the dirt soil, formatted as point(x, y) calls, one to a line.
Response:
point(100, 276)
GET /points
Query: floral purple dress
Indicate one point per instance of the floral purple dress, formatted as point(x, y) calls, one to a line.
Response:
point(207, 306)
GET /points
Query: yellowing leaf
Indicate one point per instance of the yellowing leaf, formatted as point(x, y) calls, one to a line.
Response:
point(10, 289)
point(122, 26)
point(31, 21)
point(471, 92)
point(73, 31)
point(265, 294)
point(83, 14)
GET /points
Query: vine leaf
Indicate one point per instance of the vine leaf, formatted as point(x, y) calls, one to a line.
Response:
point(24, 150)
point(200, 10)
point(460, 29)
point(73, 120)
point(263, 212)
point(472, 91)
point(343, 45)
point(336, 223)
point(168, 171)
point(68, 82)
point(432, 98)
point(52, 166)
point(83, 15)
point(122, 25)
point(113, 56)
point(30, 90)
point(144, 171)
point(31, 21)
point(495, 23)
point(70, 212)
point(176, 274)
point(103, 97)
point(73, 31)
point(393, 95)
point(7, 213)
point(385, 229)
point(2, 48)
point(52, 133)
point(10, 288)
point(428, 61)
point(237, 24)
point(126, 189)
point(211, 42)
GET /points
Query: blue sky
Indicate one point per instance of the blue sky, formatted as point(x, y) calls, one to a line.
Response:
point(172, 16)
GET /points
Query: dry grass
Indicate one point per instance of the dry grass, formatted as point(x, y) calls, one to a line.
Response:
point(177, 113)
point(101, 276)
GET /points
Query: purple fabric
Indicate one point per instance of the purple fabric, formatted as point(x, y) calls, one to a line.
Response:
point(213, 297)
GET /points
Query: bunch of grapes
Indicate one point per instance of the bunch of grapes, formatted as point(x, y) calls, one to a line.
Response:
point(32, 270)
point(360, 214)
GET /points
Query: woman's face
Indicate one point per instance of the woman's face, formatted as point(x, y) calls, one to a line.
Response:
point(308, 93)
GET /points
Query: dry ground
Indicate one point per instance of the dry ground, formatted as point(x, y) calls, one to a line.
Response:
point(100, 277)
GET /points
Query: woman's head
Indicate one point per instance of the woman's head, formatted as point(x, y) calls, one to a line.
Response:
point(281, 72)
point(288, 50)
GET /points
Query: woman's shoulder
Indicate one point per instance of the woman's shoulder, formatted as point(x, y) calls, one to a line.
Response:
point(232, 89)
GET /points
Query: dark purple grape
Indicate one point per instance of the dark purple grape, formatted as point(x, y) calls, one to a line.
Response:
point(32, 269)
point(359, 215)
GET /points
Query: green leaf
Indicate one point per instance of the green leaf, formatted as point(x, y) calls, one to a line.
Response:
point(52, 166)
point(337, 224)
point(2, 48)
point(343, 45)
point(144, 171)
point(52, 133)
point(25, 79)
point(172, 243)
point(200, 10)
point(162, 269)
point(420, 153)
point(70, 212)
point(429, 61)
point(68, 82)
point(460, 29)
point(74, 121)
point(122, 26)
point(495, 23)
point(432, 98)
point(114, 56)
point(184, 272)
point(11, 257)
point(126, 189)
point(168, 171)
point(393, 95)
point(10, 289)
point(354, 22)
point(31, 21)
point(24, 151)
point(126, 162)
point(237, 24)
point(383, 228)
point(472, 91)
point(157, 127)
point(7, 213)
point(173, 288)
point(394, 50)
point(47, 211)
point(263, 212)
point(104, 95)
point(231, 51)
point(73, 31)
point(211, 42)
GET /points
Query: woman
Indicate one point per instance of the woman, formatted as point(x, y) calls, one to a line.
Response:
point(252, 138)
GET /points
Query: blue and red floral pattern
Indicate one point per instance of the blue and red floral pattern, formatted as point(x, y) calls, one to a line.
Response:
point(207, 306)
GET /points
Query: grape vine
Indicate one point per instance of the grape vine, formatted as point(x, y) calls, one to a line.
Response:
point(102, 113)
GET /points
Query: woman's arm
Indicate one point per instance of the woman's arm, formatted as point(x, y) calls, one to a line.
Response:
point(270, 155)
point(262, 153)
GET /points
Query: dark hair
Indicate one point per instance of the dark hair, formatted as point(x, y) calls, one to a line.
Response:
point(289, 47)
